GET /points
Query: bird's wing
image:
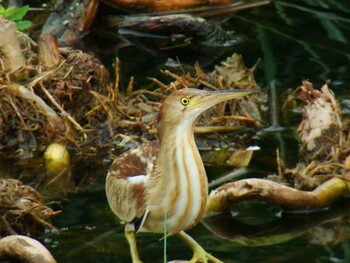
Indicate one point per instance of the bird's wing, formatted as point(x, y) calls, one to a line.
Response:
point(125, 184)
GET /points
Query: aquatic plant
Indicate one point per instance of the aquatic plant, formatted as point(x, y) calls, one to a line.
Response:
point(16, 15)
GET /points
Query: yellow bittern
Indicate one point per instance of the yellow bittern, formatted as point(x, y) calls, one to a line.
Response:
point(166, 177)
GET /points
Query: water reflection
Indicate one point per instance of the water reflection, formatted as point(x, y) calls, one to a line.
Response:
point(291, 236)
point(272, 226)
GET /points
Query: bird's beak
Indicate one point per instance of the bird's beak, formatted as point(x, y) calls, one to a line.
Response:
point(212, 98)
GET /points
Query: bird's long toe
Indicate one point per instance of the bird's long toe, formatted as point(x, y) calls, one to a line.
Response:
point(200, 255)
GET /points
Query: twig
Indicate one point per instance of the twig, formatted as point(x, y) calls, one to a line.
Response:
point(233, 118)
point(17, 112)
point(156, 94)
point(159, 83)
point(44, 75)
point(130, 88)
point(176, 77)
point(7, 225)
point(63, 112)
point(68, 72)
point(102, 103)
point(208, 85)
point(55, 121)
point(117, 79)
point(280, 165)
point(218, 129)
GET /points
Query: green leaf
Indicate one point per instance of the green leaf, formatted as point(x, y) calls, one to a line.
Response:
point(9, 12)
point(19, 13)
point(23, 25)
point(2, 10)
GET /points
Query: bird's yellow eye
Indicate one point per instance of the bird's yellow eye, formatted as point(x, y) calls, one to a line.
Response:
point(185, 101)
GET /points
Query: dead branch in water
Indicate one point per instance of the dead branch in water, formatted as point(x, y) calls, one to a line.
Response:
point(286, 197)
point(25, 249)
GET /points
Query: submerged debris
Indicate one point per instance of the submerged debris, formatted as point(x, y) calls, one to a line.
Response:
point(324, 144)
point(321, 131)
point(21, 209)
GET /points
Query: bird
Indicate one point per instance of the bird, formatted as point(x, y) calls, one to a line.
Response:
point(163, 183)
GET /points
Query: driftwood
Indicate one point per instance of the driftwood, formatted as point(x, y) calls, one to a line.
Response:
point(25, 249)
point(162, 5)
point(72, 19)
point(284, 196)
point(194, 6)
point(320, 178)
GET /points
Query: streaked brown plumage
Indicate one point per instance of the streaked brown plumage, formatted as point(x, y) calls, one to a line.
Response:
point(166, 177)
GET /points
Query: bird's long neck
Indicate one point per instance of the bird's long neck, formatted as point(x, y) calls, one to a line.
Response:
point(179, 182)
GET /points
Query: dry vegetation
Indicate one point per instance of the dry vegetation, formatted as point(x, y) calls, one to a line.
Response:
point(77, 102)
point(22, 210)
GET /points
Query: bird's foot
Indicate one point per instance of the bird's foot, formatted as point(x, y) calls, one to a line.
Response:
point(200, 255)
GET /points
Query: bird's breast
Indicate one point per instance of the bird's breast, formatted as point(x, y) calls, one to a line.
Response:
point(179, 190)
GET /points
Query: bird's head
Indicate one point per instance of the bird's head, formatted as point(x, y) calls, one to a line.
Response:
point(183, 107)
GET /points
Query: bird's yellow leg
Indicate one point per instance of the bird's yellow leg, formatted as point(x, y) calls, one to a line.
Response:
point(199, 254)
point(131, 238)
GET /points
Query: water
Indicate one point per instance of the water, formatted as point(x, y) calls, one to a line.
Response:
point(252, 232)
point(295, 41)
